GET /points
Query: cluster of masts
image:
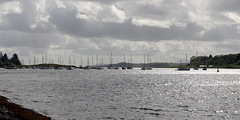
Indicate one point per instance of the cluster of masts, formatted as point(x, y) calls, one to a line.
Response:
point(124, 66)
point(45, 60)
point(147, 64)
point(99, 65)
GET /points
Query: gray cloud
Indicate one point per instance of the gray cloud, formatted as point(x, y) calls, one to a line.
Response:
point(23, 39)
point(67, 23)
point(223, 5)
point(90, 26)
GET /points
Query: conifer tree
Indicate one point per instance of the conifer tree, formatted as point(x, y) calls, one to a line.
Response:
point(15, 60)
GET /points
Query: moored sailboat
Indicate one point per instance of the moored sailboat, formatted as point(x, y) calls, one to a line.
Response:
point(184, 68)
point(144, 65)
point(111, 62)
point(129, 64)
point(147, 66)
point(124, 64)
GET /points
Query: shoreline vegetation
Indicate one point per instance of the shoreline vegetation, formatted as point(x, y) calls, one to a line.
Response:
point(12, 111)
point(218, 61)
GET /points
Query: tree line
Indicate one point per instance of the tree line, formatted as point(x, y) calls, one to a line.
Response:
point(9, 62)
point(227, 61)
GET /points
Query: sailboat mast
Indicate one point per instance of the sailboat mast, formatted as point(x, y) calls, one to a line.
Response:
point(97, 59)
point(69, 61)
point(81, 60)
point(147, 60)
point(111, 59)
point(124, 61)
point(130, 58)
point(102, 60)
point(150, 60)
point(186, 60)
point(88, 61)
point(144, 60)
point(92, 62)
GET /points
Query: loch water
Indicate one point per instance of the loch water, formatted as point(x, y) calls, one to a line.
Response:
point(125, 94)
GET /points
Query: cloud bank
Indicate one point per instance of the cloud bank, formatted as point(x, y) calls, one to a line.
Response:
point(168, 29)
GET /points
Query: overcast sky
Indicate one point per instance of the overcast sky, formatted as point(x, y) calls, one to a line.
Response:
point(166, 29)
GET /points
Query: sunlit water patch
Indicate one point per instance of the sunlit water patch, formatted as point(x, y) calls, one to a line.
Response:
point(125, 94)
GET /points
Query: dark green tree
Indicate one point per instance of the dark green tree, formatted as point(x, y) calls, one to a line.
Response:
point(210, 56)
point(5, 58)
point(15, 60)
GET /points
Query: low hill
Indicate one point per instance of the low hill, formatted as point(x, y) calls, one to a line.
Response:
point(154, 65)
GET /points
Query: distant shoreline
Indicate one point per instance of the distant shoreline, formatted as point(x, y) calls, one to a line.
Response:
point(12, 111)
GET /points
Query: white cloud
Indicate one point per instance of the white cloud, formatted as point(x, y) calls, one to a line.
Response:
point(87, 10)
point(199, 13)
point(94, 11)
point(42, 18)
point(42, 15)
point(158, 23)
point(60, 4)
point(33, 26)
point(81, 16)
point(119, 13)
point(10, 7)
point(148, 22)
point(233, 16)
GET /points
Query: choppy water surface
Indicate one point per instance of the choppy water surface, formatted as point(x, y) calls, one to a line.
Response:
point(125, 94)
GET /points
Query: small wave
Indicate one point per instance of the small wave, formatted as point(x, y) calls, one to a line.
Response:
point(150, 109)
point(5, 91)
point(155, 114)
point(183, 106)
point(208, 115)
point(109, 118)
point(147, 109)
point(112, 107)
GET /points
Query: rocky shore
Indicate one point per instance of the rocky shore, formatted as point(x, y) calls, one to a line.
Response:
point(12, 111)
